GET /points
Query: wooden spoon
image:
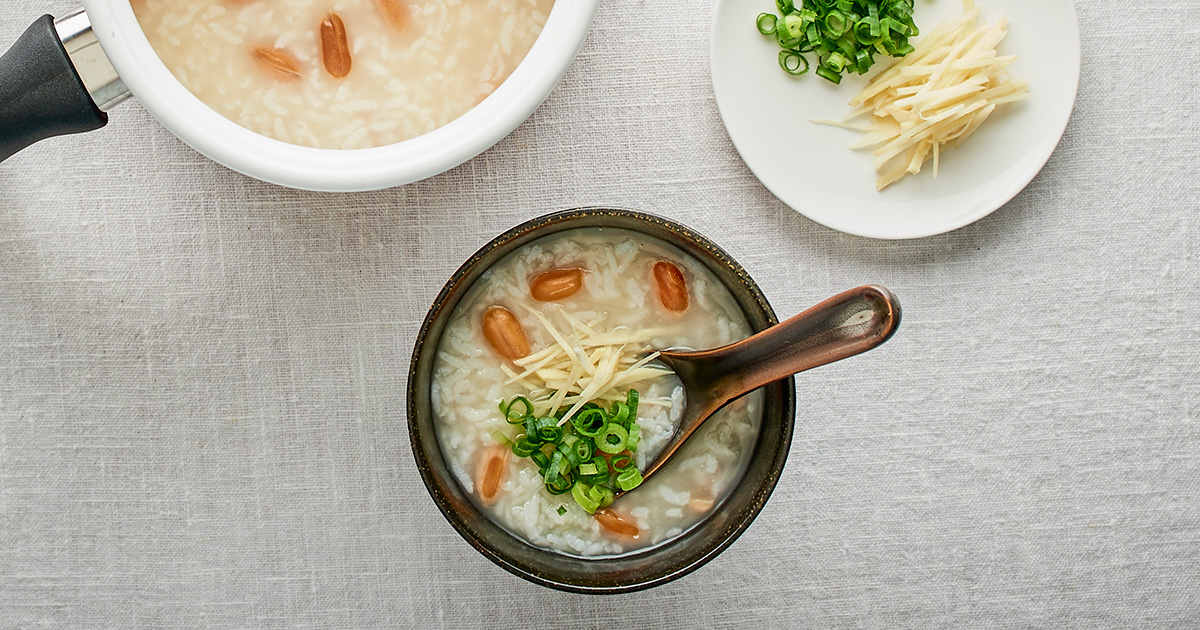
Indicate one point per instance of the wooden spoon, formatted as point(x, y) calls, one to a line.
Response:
point(842, 326)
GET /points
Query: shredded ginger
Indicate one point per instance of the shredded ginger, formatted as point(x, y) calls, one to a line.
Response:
point(584, 365)
point(935, 97)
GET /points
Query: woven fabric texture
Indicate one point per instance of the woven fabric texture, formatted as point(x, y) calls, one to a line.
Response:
point(202, 405)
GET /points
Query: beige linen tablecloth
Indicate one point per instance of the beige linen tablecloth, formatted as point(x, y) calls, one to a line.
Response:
point(202, 406)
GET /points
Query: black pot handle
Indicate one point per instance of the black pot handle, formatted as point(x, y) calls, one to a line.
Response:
point(41, 94)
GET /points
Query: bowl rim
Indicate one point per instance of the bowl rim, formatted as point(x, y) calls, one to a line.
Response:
point(340, 170)
point(512, 239)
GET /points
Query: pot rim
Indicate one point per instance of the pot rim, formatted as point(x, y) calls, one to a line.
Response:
point(459, 283)
point(335, 170)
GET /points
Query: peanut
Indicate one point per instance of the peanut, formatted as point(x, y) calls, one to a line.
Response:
point(672, 288)
point(396, 12)
point(504, 333)
point(612, 522)
point(490, 473)
point(278, 60)
point(335, 50)
point(556, 284)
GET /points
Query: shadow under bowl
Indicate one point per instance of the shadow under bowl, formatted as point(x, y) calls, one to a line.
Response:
point(639, 569)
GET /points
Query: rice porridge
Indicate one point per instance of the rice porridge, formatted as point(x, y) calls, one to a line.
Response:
point(342, 74)
point(606, 297)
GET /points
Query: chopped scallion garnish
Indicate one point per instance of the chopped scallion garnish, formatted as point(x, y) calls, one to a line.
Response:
point(844, 34)
point(612, 440)
point(621, 463)
point(500, 437)
point(793, 62)
point(629, 479)
point(766, 23)
point(517, 411)
point(590, 423)
point(591, 456)
point(583, 496)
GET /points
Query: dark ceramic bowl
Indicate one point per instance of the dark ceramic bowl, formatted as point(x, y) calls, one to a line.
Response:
point(637, 570)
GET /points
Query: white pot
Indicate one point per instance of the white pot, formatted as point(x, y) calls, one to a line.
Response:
point(210, 133)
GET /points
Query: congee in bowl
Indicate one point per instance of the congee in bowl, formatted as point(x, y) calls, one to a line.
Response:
point(548, 401)
point(536, 401)
point(342, 74)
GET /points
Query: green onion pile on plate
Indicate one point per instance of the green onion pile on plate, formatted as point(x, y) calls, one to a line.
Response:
point(843, 34)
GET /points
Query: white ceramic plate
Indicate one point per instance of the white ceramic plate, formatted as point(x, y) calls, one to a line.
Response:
point(811, 168)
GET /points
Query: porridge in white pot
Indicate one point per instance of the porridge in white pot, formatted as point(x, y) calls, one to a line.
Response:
point(342, 74)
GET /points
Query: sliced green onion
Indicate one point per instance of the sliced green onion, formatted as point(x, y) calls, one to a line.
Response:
point(603, 495)
point(629, 479)
point(620, 463)
point(565, 466)
point(766, 23)
point(863, 62)
point(612, 440)
point(635, 436)
point(793, 62)
point(549, 431)
point(846, 47)
point(570, 455)
point(552, 473)
point(524, 447)
point(589, 423)
point(601, 475)
point(561, 485)
point(901, 11)
point(583, 497)
point(619, 413)
point(500, 437)
point(794, 25)
point(867, 33)
point(785, 40)
point(835, 23)
point(584, 450)
point(518, 410)
point(854, 29)
point(830, 75)
point(836, 62)
point(813, 35)
point(574, 457)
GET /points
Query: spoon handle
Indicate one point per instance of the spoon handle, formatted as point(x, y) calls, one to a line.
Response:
point(842, 326)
